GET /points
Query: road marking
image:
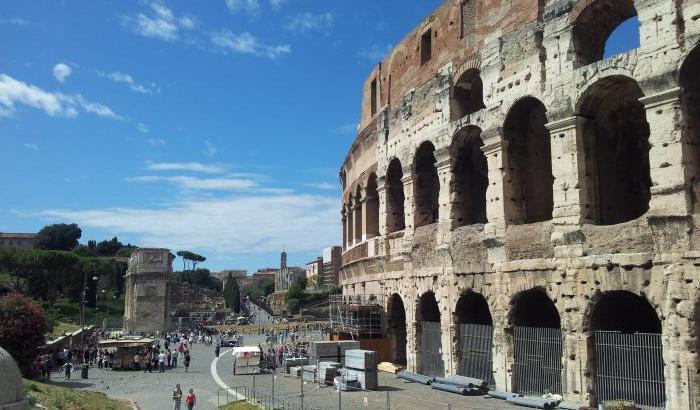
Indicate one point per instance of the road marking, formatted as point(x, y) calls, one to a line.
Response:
point(219, 381)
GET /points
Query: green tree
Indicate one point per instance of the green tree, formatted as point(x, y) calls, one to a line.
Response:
point(236, 296)
point(267, 286)
point(228, 291)
point(59, 237)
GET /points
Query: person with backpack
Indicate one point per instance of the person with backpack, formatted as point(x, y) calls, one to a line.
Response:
point(190, 400)
point(177, 397)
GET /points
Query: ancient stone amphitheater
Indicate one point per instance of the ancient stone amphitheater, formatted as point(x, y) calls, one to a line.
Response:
point(525, 209)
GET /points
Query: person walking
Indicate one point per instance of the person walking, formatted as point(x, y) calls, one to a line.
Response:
point(190, 400)
point(174, 359)
point(177, 397)
point(187, 361)
point(68, 367)
point(161, 362)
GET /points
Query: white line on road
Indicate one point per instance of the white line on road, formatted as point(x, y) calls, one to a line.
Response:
point(219, 381)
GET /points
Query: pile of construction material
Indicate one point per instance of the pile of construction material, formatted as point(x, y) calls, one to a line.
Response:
point(361, 365)
point(292, 362)
point(415, 377)
point(526, 401)
point(320, 351)
point(327, 372)
point(467, 386)
point(389, 367)
point(308, 373)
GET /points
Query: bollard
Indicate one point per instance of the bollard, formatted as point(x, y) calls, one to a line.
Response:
point(301, 397)
point(340, 398)
point(273, 389)
point(388, 401)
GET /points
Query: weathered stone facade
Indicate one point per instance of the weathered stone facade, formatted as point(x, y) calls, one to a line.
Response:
point(147, 306)
point(503, 164)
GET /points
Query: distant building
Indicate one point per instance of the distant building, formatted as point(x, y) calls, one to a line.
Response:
point(17, 240)
point(332, 261)
point(314, 270)
point(238, 274)
point(282, 277)
point(296, 273)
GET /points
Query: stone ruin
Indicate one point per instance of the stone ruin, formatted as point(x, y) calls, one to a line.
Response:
point(148, 292)
point(526, 208)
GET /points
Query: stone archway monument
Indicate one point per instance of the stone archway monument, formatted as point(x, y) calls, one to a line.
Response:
point(148, 289)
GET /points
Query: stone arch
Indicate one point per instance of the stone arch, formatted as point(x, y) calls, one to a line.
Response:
point(429, 341)
point(349, 221)
point(474, 334)
point(467, 94)
point(529, 163)
point(426, 185)
point(396, 323)
point(533, 308)
point(614, 133)
point(471, 177)
point(372, 207)
point(357, 218)
point(689, 82)
point(593, 22)
point(626, 343)
point(395, 215)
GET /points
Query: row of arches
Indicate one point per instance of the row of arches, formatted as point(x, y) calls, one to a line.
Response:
point(622, 329)
point(612, 145)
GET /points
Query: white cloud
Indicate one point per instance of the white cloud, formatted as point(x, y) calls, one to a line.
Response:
point(375, 52)
point(210, 149)
point(15, 21)
point(31, 146)
point(156, 142)
point(232, 225)
point(13, 92)
point(306, 22)
point(248, 6)
point(143, 128)
point(246, 43)
point(277, 4)
point(199, 184)
point(161, 24)
point(325, 186)
point(186, 166)
point(124, 78)
point(61, 72)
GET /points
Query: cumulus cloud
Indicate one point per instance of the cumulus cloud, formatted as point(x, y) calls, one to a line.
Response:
point(325, 186)
point(161, 23)
point(307, 22)
point(186, 166)
point(246, 43)
point(61, 72)
point(143, 128)
point(14, 92)
point(262, 223)
point(248, 6)
point(199, 184)
point(128, 80)
point(156, 142)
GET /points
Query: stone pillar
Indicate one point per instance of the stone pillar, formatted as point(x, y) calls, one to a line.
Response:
point(370, 214)
point(566, 168)
point(358, 220)
point(412, 334)
point(667, 168)
point(345, 228)
point(409, 208)
point(381, 193)
point(351, 225)
point(445, 171)
point(494, 149)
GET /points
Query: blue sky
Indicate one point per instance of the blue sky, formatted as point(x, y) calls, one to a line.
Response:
point(214, 126)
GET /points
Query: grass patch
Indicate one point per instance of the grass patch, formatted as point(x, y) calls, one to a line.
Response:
point(253, 329)
point(60, 398)
point(61, 328)
point(240, 405)
point(6, 277)
point(68, 312)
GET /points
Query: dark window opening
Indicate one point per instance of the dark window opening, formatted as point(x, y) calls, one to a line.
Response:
point(622, 311)
point(471, 178)
point(690, 106)
point(427, 186)
point(395, 197)
point(529, 193)
point(426, 46)
point(595, 24)
point(397, 328)
point(429, 310)
point(372, 208)
point(616, 182)
point(533, 308)
point(373, 96)
point(472, 308)
point(467, 96)
point(358, 216)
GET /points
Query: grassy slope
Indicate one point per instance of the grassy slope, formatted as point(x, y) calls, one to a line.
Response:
point(239, 405)
point(60, 398)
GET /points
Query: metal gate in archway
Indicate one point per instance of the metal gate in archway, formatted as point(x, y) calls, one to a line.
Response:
point(538, 360)
point(475, 351)
point(430, 352)
point(630, 367)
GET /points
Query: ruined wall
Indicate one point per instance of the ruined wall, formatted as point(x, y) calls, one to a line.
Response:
point(620, 201)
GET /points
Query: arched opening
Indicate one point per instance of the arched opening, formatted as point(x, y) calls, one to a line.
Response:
point(358, 215)
point(467, 95)
point(529, 163)
point(372, 208)
point(594, 25)
point(471, 178)
point(350, 223)
point(690, 105)
point(395, 217)
point(426, 186)
point(537, 344)
point(474, 337)
point(344, 216)
point(629, 362)
point(615, 135)
point(430, 361)
point(397, 328)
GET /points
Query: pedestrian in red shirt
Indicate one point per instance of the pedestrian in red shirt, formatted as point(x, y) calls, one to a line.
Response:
point(190, 400)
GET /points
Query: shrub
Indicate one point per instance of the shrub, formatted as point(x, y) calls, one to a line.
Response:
point(22, 328)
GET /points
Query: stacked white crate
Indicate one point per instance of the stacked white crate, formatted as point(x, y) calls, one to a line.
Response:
point(344, 346)
point(362, 364)
point(327, 371)
point(323, 352)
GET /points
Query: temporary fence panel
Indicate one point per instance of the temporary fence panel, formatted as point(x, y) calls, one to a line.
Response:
point(538, 360)
point(630, 367)
point(475, 351)
point(430, 352)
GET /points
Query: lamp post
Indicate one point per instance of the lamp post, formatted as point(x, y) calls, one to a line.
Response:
point(83, 295)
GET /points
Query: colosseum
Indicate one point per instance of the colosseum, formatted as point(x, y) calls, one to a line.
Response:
point(524, 208)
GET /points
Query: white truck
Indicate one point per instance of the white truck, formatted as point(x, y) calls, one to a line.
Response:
point(246, 359)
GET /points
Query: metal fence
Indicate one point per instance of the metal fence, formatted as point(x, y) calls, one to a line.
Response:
point(538, 360)
point(475, 351)
point(630, 367)
point(430, 352)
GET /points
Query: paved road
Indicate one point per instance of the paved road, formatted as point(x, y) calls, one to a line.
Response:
point(152, 390)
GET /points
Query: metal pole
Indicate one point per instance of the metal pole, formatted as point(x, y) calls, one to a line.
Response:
point(340, 398)
point(273, 389)
point(82, 310)
point(254, 384)
point(388, 401)
point(302, 388)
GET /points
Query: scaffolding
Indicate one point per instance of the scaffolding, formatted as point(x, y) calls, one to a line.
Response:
point(358, 316)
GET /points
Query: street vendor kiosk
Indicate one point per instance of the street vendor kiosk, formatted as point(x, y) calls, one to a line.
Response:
point(123, 350)
point(246, 359)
